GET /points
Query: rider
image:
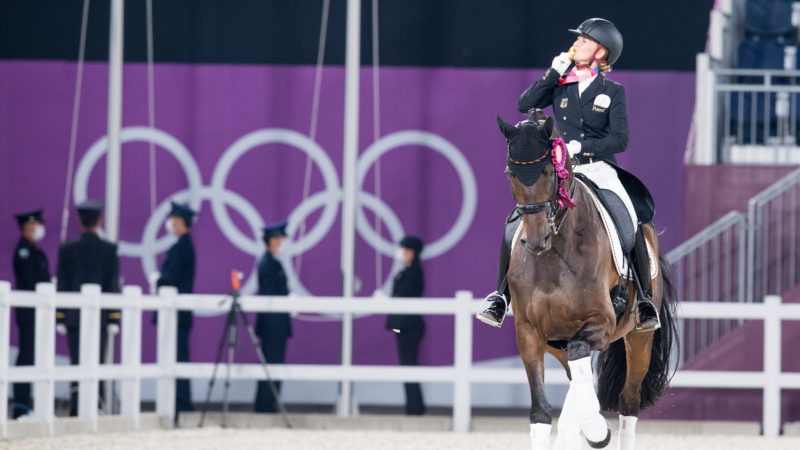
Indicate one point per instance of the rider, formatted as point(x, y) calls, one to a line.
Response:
point(590, 114)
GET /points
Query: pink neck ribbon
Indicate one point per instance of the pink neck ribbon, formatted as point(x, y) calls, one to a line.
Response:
point(560, 161)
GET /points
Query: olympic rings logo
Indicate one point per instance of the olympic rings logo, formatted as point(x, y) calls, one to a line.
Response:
point(220, 197)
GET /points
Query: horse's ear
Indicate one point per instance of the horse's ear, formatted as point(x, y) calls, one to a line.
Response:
point(509, 131)
point(547, 128)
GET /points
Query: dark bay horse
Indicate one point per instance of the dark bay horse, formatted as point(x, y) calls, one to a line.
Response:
point(561, 279)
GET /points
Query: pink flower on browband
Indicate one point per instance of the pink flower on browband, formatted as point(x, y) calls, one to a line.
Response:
point(561, 171)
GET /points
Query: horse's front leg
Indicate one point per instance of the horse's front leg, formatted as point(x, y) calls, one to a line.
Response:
point(531, 349)
point(581, 401)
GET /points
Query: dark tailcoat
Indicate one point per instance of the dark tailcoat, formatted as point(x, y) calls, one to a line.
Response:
point(30, 267)
point(601, 130)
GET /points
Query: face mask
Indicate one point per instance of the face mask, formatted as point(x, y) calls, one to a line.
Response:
point(38, 233)
point(400, 254)
point(282, 248)
point(169, 226)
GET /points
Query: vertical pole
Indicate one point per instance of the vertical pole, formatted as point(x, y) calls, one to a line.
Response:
point(44, 392)
point(772, 367)
point(166, 353)
point(130, 401)
point(463, 362)
point(89, 361)
point(5, 323)
point(113, 158)
point(352, 65)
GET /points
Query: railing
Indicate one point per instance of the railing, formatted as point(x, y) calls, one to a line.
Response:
point(461, 374)
point(773, 250)
point(710, 266)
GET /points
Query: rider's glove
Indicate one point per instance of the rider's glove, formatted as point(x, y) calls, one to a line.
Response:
point(561, 63)
point(573, 147)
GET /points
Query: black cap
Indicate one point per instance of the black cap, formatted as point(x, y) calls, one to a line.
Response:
point(89, 211)
point(529, 148)
point(30, 216)
point(182, 211)
point(604, 33)
point(413, 243)
point(274, 230)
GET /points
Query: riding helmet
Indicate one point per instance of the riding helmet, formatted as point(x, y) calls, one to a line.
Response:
point(605, 34)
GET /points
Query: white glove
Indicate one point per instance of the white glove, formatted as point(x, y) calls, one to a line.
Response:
point(61, 329)
point(113, 328)
point(573, 148)
point(561, 63)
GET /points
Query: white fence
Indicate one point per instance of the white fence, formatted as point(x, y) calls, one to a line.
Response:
point(461, 374)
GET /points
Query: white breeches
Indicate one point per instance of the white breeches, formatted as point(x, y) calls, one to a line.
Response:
point(605, 177)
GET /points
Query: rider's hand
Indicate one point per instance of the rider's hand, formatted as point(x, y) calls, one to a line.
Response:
point(61, 329)
point(573, 147)
point(561, 63)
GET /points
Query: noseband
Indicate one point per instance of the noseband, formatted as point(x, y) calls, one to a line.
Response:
point(560, 198)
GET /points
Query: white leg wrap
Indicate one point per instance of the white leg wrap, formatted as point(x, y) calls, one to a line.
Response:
point(587, 407)
point(540, 436)
point(569, 430)
point(627, 432)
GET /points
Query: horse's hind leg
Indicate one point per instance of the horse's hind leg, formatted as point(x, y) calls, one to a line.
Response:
point(531, 349)
point(581, 398)
point(637, 355)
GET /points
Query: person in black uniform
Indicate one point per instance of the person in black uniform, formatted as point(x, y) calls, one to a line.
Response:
point(273, 328)
point(30, 267)
point(178, 271)
point(88, 259)
point(590, 114)
point(409, 328)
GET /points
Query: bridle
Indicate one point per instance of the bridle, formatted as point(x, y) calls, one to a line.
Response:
point(558, 200)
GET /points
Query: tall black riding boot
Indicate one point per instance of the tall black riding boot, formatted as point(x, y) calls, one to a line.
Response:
point(498, 301)
point(646, 312)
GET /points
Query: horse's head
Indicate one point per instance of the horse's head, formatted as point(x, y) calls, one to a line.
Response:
point(537, 167)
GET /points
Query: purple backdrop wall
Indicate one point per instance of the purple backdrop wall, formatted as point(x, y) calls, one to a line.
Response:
point(208, 107)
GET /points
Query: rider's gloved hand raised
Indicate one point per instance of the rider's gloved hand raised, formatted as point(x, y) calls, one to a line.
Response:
point(561, 63)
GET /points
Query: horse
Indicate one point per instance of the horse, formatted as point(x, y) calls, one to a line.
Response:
point(562, 280)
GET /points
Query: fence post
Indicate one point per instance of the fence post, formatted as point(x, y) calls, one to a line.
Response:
point(44, 392)
point(131, 359)
point(462, 402)
point(89, 361)
point(5, 324)
point(772, 366)
point(166, 356)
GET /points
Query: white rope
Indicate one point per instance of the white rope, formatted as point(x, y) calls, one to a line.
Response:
point(76, 106)
point(151, 108)
point(376, 121)
point(312, 132)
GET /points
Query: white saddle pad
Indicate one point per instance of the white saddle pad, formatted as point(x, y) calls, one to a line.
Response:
point(620, 262)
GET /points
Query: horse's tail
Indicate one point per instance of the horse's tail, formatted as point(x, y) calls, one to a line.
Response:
point(612, 365)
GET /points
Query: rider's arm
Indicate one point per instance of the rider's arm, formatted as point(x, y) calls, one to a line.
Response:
point(539, 94)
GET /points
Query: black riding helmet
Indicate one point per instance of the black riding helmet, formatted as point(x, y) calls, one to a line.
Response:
point(605, 34)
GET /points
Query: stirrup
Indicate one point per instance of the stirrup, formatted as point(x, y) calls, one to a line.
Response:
point(485, 305)
point(650, 325)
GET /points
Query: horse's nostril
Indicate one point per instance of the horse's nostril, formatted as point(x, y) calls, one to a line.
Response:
point(523, 241)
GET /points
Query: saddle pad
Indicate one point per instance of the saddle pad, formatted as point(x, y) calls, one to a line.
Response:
point(613, 237)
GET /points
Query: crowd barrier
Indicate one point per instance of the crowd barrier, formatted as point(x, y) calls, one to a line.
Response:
point(130, 371)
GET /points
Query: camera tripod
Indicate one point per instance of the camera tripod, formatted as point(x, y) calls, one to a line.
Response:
point(229, 339)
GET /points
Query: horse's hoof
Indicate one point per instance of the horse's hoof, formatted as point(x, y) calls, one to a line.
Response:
point(603, 443)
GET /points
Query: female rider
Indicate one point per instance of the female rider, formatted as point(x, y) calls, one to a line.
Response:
point(590, 114)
